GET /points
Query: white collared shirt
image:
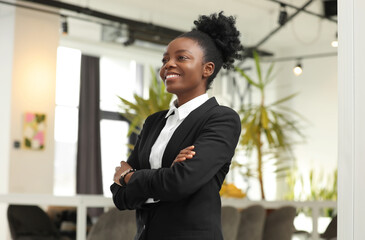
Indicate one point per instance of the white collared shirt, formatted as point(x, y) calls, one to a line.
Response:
point(175, 116)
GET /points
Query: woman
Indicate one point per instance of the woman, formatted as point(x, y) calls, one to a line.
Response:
point(175, 172)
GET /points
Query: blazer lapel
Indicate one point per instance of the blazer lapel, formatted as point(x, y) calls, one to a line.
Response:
point(183, 130)
point(155, 131)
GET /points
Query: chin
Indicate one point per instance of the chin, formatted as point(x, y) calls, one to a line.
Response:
point(170, 89)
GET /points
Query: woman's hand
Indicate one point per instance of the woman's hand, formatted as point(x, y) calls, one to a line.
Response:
point(124, 166)
point(186, 153)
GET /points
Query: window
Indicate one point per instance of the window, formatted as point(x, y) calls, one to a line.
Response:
point(118, 77)
point(66, 120)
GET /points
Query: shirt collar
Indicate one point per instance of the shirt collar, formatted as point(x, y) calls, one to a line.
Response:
point(184, 110)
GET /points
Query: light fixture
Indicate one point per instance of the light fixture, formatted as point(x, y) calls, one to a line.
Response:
point(334, 43)
point(130, 39)
point(64, 26)
point(283, 16)
point(298, 70)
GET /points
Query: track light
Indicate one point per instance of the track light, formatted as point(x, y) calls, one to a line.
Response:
point(334, 43)
point(129, 42)
point(64, 26)
point(298, 70)
point(283, 16)
point(130, 39)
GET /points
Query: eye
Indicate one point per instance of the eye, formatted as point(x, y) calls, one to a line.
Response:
point(182, 58)
point(164, 60)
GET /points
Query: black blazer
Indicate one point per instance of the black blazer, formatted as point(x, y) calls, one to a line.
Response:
point(190, 205)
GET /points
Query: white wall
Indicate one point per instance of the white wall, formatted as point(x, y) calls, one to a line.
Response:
point(36, 37)
point(317, 102)
point(351, 89)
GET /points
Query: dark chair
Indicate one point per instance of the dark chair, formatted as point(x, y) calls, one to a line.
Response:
point(30, 223)
point(279, 224)
point(331, 230)
point(230, 221)
point(252, 221)
point(114, 224)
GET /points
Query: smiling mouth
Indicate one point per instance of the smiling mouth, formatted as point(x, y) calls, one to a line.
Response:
point(172, 76)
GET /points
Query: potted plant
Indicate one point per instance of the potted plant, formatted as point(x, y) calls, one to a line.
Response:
point(267, 128)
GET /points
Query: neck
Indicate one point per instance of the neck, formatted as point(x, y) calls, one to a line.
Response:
point(181, 99)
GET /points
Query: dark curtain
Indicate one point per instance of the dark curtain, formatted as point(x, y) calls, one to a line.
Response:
point(89, 174)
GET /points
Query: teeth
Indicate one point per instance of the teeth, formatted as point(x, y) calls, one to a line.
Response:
point(172, 75)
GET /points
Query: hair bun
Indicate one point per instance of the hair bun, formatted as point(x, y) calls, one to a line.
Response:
point(224, 33)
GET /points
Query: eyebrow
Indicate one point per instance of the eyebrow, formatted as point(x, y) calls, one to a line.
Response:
point(178, 51)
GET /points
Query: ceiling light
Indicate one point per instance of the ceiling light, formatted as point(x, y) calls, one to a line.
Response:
point(298, 70)
point(283, 16)
point(64, 26)
point(334, 43)
point(130, 39)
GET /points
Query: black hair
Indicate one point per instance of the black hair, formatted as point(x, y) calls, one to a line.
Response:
point(218, 36)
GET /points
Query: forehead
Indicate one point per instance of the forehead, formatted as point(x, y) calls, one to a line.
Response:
point(184, 44)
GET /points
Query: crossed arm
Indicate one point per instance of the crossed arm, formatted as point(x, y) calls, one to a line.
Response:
point(186, 153)
point(193, 167)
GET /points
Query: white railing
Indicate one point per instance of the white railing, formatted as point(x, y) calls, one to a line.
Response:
point(82, 202)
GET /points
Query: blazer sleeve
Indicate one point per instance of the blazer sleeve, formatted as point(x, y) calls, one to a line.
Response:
point(120, 198)
point(214, 147)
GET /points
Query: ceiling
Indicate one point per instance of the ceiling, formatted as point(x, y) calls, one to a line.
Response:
point(255, 20)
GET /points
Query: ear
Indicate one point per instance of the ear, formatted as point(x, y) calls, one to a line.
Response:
point(208, 69)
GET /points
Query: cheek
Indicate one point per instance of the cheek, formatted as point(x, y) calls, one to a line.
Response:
point(162, 74)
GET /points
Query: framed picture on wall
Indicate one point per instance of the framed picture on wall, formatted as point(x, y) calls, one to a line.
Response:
point(34, 131)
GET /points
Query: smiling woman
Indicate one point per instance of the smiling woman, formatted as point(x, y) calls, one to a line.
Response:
point(182, 155)
point(183, 70)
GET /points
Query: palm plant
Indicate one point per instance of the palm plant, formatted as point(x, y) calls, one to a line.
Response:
point(137, 112)
point(267, 128)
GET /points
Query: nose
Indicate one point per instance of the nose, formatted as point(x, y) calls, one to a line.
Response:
point(170, 63)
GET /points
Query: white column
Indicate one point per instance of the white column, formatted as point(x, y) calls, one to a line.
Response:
point(7, 21)
point(351, 165)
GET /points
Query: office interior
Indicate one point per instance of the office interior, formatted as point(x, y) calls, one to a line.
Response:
point(42, 44)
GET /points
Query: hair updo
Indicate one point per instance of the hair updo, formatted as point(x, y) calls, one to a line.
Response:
point(218, 36)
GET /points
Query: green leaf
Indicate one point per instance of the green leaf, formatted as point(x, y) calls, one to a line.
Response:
point(27, 142)
point(283, 99)
point(268, 74)
point(258, 67)
point(248, 78)
point(264, 118)
point(293, 112)
point(269, 137)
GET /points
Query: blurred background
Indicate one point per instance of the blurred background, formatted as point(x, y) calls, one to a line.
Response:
point(67, 64)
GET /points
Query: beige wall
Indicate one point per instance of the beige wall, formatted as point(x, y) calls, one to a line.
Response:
point(36, 38)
